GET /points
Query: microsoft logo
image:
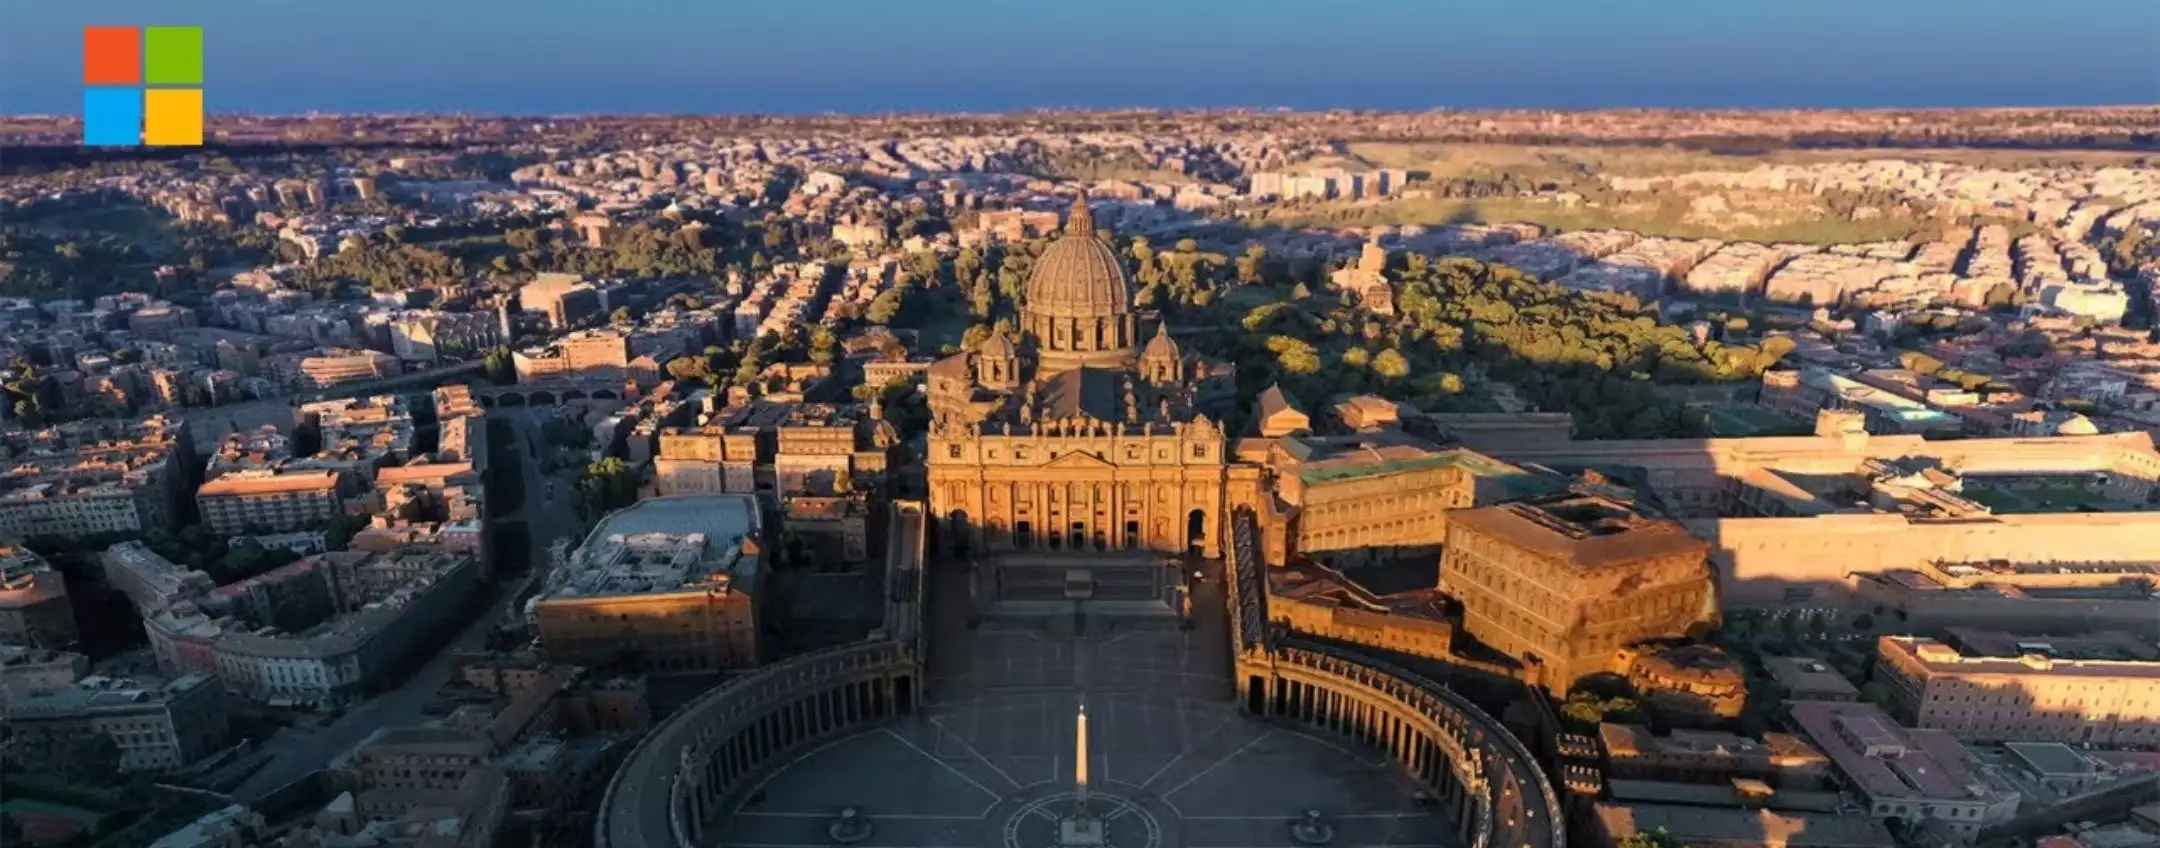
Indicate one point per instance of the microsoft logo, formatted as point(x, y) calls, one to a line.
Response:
point(142, 85)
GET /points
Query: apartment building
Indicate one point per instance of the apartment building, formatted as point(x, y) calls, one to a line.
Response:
point(94, 477)
point(2101, 689)
point(34, 607)
point(335, 367)
point(350, 625)
point(35, 671)
point(267, 501)
point(399, 768)
point(429, 335)
point(156, 727)
point(150, 581)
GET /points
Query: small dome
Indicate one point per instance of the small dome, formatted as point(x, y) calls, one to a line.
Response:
point(1078, 276)
point(998, 347)
point(1161, 346)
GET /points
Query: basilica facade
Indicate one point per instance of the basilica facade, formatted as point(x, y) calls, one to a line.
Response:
point(1077, 436)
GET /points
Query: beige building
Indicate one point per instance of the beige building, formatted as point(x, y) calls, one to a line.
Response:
point(2101, 690)
point(259, 501)
point(564, 297)
point(778, 449)
point(334, 367)
point(1563, 583)
point(1811, 558)
point(665, 585)
point(2042, 597)
point(599, 355)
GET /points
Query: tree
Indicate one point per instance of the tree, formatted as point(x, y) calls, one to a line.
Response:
point(688, 369)
point(1390, 365)
point(497, 365)
point(608, 484)
point(884, 307)
point(1588, 709)
point(823, 345)
point(1295, 355)
point(1658, 838)
point(620, 317)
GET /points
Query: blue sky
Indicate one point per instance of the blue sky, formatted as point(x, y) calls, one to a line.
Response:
point(538, 56)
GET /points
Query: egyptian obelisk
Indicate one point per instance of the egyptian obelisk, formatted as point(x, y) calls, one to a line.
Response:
point(1079, 828)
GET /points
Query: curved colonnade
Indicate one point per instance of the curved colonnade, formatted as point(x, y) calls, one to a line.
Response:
point(1484, 778)
point(670, 786)
point(1479, 774)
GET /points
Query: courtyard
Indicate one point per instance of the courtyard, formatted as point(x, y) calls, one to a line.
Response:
point(1172, 762)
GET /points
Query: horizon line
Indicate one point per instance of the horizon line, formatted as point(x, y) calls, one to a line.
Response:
point(1286, 110)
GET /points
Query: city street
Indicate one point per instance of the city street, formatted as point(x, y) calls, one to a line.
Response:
point(298, 753)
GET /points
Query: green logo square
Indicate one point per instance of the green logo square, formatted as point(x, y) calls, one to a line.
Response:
point(172, 55)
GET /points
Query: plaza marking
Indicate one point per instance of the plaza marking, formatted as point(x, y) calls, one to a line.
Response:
point(994, 797)
point(759, 786)
point(1366, 759)
point(971, 750)
point(1188, 749)
point(1218, 764)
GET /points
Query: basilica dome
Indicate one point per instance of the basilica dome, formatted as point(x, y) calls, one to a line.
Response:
point(1078, 275)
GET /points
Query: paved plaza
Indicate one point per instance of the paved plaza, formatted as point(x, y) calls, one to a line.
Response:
point(1172, 761)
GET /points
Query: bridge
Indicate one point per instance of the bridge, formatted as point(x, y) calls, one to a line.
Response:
point(546, 392)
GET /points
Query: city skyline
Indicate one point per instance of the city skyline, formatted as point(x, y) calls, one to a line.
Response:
point(962, 55)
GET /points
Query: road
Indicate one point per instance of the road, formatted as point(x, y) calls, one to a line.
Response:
point(301, 752)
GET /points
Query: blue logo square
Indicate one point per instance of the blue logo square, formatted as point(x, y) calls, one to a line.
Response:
point(112, 116)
